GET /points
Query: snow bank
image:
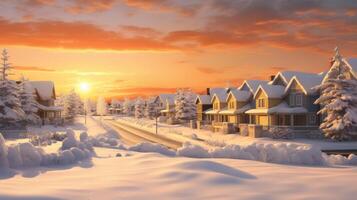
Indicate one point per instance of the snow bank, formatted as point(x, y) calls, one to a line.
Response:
point(281, 153)
point(27, 155)
point(151, 147)
point(192, 151)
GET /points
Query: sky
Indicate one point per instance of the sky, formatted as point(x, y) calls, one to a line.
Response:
point(128, 48)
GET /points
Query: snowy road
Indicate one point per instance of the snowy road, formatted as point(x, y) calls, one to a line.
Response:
point(132, 135)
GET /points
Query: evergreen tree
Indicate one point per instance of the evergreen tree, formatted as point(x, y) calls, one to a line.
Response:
point(151, 108)
point(11, 113)
point(79, 105)
point(28, 102)
point(185, 105)
point(338, 100)
point(139, 108)
point(127, 107)
point(70, 106)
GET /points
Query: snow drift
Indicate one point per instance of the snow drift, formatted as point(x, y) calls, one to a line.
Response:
point(282, 153)
point(27, 155)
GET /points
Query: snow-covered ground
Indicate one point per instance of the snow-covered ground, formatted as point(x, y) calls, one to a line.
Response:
point(209, 138)
point(153, 176)
point(174, 175)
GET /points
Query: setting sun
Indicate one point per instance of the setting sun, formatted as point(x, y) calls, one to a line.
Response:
point(84, 87)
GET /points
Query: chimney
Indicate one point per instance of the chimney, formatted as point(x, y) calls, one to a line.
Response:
point(208, 93)
point(272, 77)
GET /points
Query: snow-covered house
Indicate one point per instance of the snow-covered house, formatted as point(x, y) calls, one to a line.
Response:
point(167, 104)
point(219, 102)
point(203, 104)
point(116, 107)
point(238, 102)
point(45, 95)
point(281, 103)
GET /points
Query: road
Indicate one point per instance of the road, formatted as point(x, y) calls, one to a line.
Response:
point(131, 135)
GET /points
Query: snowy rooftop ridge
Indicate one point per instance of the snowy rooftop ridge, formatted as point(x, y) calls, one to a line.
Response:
point(204, 99)
point(272, 91)
point(240, 95)
point(307, 82)
point(167, 97)
point(44, 89)
point(252, 85)
point(288, 75)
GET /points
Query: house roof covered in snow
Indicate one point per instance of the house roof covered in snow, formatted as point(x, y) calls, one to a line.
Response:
point(240, 95)
point(222, 97)
point(272, 91)
point(213, 91)
point(204, 99)
point(165, 97)
point(286, 76)
point(44, 89)
point(307, 82)
point(252, 85)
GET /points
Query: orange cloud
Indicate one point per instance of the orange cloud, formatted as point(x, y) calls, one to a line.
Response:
point(33, 68)
point(90, 6)
point(166, 6)
point(73, 35)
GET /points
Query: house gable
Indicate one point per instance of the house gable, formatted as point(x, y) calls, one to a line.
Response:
point(279, 80)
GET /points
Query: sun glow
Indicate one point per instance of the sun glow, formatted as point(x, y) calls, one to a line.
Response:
point(84, 87)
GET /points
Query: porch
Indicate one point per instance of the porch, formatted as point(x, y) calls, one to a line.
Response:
point(50, 114)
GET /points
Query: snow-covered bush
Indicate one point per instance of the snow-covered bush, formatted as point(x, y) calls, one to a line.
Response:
point(27, 155)
point(338, 100)
point(3, 153)
point(150, 147)
point(30, 155)
point(83, 136)
point(192, 151)
point(281, 133)
point(70, 140)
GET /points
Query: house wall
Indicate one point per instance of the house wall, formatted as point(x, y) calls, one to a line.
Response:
point(269, 102)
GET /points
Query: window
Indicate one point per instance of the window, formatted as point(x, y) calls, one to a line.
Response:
point(292, 99)
point(261, 103)
point(298, 99)
point(231, 105)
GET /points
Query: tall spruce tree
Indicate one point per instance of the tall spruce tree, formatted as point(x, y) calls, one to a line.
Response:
point(28, 103)
point(11, 113)
point(338, 101)
point(185, 105)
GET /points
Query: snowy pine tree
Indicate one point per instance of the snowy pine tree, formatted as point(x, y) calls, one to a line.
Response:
point(70, 106)
point(11, 113)
point(139, 108)
point(28, 103)
point(338, 100)
point(79, 105)
point(127, 107)
point(151, 109)
point(185, 105)
point(102, 106)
